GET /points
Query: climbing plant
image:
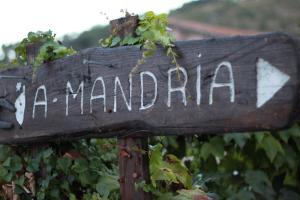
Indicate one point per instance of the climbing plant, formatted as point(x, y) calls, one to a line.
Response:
point(152, 31)
point(49, 50)
point(252, 166)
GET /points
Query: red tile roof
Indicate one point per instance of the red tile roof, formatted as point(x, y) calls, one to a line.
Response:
point(207, 29)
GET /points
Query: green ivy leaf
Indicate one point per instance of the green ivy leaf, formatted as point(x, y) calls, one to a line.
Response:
point(3, 172)
point(156, 155)
point(190, 195)
point(285, 135)
point(13, 163)
point(4, 152)
point(106, 184)
point(260, 183)
point(9, 177)
point(65, 185)
point(80, 166)
point(86, 178)
point(20, 181)
point(271, 146)
point(19, 190)
point(180, 171)
point(215, 147)
point(33, 165)
point(297, 141)
point(159, 169)
point(54, 194)
point(132, 40)
point(41, 195)
point(239, 138)
point(290, 179)
point(64, 164)
point(259, 136)
point(206, 150)
point(243, 194)
point(115, 41)
point(72, 196)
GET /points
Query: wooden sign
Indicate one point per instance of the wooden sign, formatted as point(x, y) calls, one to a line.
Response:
point(222, 85)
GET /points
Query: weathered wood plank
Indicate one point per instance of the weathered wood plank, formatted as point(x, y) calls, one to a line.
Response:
point(218, 109)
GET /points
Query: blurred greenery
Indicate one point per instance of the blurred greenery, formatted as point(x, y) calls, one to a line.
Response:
point(87, 39)
point(260, 15)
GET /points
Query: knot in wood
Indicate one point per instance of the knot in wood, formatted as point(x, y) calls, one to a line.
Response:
point(135, 175)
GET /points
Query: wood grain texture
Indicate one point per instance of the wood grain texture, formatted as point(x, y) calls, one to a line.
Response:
point(125, 26)
point(220, 117)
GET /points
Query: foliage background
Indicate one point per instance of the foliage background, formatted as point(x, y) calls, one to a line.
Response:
point(234, 166)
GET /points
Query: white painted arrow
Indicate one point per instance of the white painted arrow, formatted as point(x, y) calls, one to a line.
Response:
point(269, 81)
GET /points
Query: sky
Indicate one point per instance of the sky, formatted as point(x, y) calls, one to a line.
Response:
point(18, 17)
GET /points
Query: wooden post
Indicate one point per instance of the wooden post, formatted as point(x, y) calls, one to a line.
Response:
point(133, 167)
point(32, 51)
point(133, 151)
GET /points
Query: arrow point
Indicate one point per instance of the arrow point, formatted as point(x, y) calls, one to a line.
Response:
point(269, 81)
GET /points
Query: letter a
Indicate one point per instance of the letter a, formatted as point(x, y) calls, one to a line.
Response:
point(40, 103)
point(230, 84)
point(101, 96)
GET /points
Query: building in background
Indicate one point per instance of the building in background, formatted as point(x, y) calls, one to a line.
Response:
point(184, 29)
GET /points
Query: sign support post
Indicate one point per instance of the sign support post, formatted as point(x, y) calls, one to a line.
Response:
point(133, 151)
point(133, 167)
